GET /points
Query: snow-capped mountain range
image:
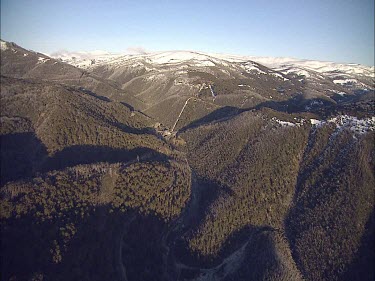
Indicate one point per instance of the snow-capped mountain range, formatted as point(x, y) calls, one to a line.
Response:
point(342, 73)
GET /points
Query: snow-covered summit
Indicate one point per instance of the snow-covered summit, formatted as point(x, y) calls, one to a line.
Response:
point(85, 59)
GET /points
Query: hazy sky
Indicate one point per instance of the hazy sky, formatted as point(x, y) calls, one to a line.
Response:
point(334, 30)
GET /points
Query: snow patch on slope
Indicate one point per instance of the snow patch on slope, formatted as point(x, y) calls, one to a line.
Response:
point(358, 126)
point(298, 122)
point(3, 45)
point(341, 94)
point(317, 123)
point(344, 81)
point(42, 60)
point(295, 70)
point(250, 66)
point(278, 75)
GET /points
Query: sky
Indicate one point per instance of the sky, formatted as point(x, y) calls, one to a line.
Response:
point(331, 30)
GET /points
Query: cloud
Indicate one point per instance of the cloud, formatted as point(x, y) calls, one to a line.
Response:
point(79, 55)
point(137, 50)
point(59, 53)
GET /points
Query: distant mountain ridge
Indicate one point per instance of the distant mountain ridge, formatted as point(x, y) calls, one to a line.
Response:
point(175, 54)
point(82, 58)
